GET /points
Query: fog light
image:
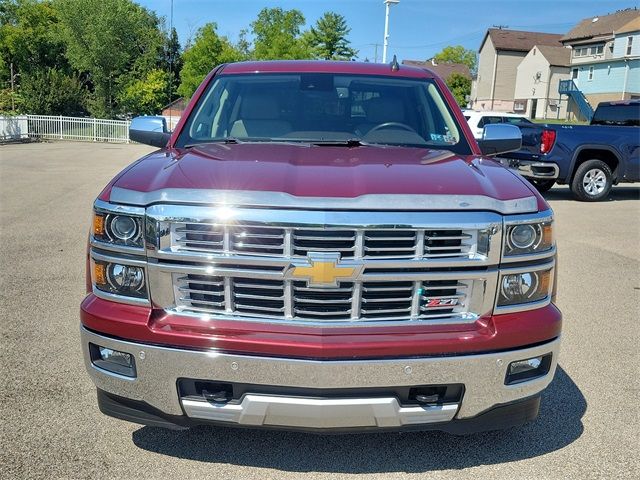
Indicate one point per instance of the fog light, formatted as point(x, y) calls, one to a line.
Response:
point(528, 369)
point(111, 360)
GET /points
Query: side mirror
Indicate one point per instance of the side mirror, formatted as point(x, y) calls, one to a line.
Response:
point(150, 131)
point(500, 138)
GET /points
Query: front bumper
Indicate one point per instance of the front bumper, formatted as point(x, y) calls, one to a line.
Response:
point(532, 169)
point(159, 370)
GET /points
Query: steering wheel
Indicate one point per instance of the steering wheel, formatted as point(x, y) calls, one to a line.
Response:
point(392, 125)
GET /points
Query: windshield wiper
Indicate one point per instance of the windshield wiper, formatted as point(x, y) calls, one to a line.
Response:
point(350, 142)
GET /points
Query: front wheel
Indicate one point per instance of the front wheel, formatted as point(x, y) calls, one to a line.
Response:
point(592, 182)
point(542, 185)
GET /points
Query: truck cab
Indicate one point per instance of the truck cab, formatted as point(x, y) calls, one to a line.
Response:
point(321, 246)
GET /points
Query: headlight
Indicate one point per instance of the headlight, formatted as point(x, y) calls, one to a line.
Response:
point(119, 279)
point(528, 238)
point(117, 229)
point(524, 287)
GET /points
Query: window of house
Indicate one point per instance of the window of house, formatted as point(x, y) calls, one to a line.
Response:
point(574, 74)
point(596, 50)
point(520, 106)
point(590, 73)
point(629, 45)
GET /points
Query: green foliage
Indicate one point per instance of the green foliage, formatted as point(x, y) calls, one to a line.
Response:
point(328, 38)
point(277, 34)
point(460, 87)
point(208, 50)
point(458, 54)
point(172, 58)
point(29, 37)
point(108, 39)
point(52, 92)
point(146, 96)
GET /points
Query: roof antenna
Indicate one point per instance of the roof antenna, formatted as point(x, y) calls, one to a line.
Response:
point(394, 64)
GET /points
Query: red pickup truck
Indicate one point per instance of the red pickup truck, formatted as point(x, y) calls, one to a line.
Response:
point(321, 246)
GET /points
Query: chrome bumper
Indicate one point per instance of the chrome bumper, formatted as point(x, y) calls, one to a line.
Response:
point(158, 370)
point(532, 169)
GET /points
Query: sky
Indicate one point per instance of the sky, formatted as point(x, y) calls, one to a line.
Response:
point(418, 29)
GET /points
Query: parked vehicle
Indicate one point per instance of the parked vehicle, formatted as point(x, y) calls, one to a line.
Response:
point(477, 120)
point(321, 246)
point(589, 158)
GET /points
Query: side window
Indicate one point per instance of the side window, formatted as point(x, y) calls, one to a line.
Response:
point(481, 122)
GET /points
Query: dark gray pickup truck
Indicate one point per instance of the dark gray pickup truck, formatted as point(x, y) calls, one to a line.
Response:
point(589, 158)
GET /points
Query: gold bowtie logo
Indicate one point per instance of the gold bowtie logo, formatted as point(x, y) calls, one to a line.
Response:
point(323, 270)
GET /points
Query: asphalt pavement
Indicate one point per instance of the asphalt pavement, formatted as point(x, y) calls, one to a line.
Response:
point(589, 424)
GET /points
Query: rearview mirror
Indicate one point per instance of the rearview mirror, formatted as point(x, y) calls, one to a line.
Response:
point(150, 131)
point(500, 138)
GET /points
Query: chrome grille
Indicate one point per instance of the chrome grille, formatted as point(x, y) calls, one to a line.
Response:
point(378, 243)
point(206, 293)
point(431, 266)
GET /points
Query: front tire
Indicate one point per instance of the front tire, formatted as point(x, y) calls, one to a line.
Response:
point(592, 181)
point(542, 185)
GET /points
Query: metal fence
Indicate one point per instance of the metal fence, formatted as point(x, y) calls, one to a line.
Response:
point(73, 128)
point(57, 127)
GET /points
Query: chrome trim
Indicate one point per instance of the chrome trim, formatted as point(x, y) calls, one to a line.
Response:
point(319, 413)
point(143, 302)
point(483, 375)
point(528, 169)
point(371, 202)
point(530, 305)
point(116, 248)
point(108, 207)
point(103, 257)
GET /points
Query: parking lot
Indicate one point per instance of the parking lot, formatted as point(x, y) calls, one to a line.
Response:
point(589, 424)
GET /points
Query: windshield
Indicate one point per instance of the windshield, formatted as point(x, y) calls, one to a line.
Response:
point(323, 108)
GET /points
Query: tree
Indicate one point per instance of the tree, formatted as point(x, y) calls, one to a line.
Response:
point(277, 35)
point(29, 38)
point(172, 60)
point(52, 92)
point(329, 38)
point(146, 96)
point(457, 54)
point(208, 50)
point(108, 39)
point(460, 87)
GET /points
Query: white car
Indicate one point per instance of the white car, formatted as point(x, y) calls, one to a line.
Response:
point(477, 120)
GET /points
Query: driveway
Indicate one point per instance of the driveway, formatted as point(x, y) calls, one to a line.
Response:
point(51, 428)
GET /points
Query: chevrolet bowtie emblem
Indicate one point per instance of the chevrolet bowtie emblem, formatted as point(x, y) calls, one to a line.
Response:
point(324, 270)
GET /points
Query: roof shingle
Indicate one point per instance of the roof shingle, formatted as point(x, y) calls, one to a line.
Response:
point(520, 41)
point(556, 56)
point(605, 25)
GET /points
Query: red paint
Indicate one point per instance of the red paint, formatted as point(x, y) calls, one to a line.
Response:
point(309, 171)
point(142, 324)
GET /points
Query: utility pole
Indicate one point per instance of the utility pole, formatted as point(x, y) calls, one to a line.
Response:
point(13, 102)
point(387, 4)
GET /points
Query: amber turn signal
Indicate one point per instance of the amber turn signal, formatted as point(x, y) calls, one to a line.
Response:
point(98, 225)
point(99, 273)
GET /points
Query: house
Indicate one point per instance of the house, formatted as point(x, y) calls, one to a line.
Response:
point(537, 81)
point(605, 62)
point(501, 51)
point(175, 108)
point(443, 69)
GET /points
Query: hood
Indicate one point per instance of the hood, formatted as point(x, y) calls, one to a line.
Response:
point(323, 171)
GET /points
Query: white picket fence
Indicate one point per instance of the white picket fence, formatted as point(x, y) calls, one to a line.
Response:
point(64, 128)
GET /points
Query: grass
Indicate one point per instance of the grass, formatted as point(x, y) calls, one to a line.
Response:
point(559, 122)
